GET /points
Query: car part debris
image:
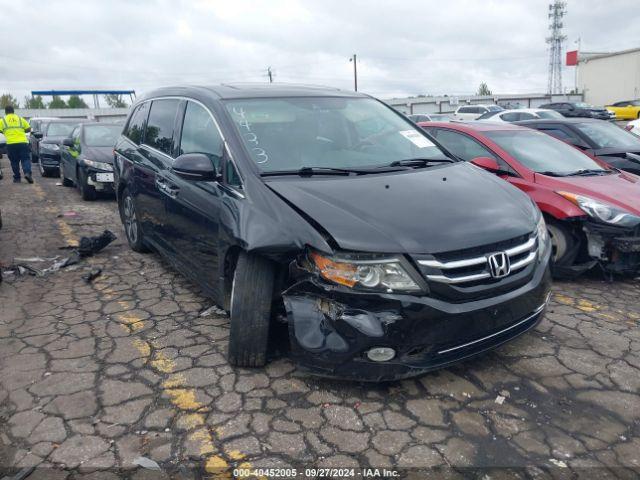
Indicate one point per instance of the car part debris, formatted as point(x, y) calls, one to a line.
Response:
point(91, 245)
point(212, 310)
point(147, 463)
point(92, 275)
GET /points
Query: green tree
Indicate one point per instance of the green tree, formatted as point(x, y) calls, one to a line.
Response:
point(115, 101)
point(34, 102)
point(483, 90)
point(57, 102)
point(7, 99)
point(76, 102)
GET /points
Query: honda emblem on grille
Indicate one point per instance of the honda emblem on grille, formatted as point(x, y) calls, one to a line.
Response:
point(499, 265)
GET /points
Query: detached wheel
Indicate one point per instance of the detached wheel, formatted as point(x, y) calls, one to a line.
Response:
point(563, 244)
point(132, 227)
point(87, 191)
point(251, 299)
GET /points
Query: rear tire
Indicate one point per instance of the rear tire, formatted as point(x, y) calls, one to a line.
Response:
point(250, 315)
point(132, 227)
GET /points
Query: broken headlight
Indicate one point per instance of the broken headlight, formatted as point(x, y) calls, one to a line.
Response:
point(385, 274)
point(99, 165)
point(603, 211)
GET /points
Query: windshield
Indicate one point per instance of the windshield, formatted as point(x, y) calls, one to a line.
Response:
point(287, 134)
point(495, 108)
point(60, 129)
point(542, 153)
point(548, 114)
point(607, 135)
point(101, 135)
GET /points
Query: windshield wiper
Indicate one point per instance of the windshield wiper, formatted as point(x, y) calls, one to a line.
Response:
point(553, 174)
point(419, 162)
point(309, 171)
point(588, 172)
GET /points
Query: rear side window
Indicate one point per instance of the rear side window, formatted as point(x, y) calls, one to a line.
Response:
point(511, 116)
point(161, 123)
point(200, 134)
point(461, 145)
point(135, 127)
point(466, 110)
point(557, 133)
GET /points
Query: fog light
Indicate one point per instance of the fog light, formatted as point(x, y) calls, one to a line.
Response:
point(381, 354)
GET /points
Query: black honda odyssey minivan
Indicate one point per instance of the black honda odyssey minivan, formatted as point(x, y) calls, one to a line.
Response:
point(329, 211)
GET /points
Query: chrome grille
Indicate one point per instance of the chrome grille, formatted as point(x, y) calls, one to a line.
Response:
point(476, 268)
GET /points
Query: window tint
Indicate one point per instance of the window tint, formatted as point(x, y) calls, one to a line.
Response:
point(466, 110)
point(461, 145)
point(135, 128)
point(200, 134)
point(231, 176)
point(556, 132)
point(160, 125)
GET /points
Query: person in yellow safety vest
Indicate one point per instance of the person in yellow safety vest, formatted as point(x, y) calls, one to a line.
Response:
point(15, 130)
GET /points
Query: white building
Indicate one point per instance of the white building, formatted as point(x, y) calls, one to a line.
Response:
point(609, 77)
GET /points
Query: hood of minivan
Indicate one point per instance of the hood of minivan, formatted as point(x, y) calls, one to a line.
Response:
point(99, 154)
point(621, 189)
point(431, 210)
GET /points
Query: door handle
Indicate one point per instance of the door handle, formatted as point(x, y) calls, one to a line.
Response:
point(168, 189)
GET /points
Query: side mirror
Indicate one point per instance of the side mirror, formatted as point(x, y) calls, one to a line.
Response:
point(195, 167)
point(38, 135)
point(487, 163)
point(67, 142)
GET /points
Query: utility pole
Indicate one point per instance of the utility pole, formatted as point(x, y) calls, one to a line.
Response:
point(555, 40)
point(270, 74)
point(355, 71)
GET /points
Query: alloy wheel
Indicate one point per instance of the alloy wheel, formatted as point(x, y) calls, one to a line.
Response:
point(130, 220)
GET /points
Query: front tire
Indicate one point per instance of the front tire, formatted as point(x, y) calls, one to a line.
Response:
point(87, 191)
point(251, 300)
point(132, 227)
point(564, 245)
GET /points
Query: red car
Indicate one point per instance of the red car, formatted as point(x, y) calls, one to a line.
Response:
point(592, 210)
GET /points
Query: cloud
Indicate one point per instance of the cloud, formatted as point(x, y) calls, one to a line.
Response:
point(410, 47)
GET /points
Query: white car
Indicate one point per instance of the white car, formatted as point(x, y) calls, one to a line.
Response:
point(471, 112)
point(633, 127)
point(429, 117)
point(519, 114)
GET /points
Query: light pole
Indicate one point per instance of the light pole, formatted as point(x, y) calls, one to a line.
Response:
point(355, 71)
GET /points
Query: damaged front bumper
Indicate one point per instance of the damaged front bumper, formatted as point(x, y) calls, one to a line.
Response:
point(616, 249)
point(332, 328)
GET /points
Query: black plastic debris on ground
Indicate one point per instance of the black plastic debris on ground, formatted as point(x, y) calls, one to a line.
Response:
point(92, 245)
point(87, 247)
point(92, 275)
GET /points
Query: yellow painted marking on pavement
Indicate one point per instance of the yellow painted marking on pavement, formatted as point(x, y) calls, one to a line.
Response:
point(67, 233)
point(236, 455)
point(215, 464)
point(134, 322)
point(193, 420)
point(162, 363)
point(143, 347)
point(580, 304)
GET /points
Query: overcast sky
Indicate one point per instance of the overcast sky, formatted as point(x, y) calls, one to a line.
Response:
point(404, 48)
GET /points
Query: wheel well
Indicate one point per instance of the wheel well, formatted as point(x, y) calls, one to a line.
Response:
point(230, 261)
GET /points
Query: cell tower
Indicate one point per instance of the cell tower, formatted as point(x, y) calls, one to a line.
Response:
point(556, 12)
